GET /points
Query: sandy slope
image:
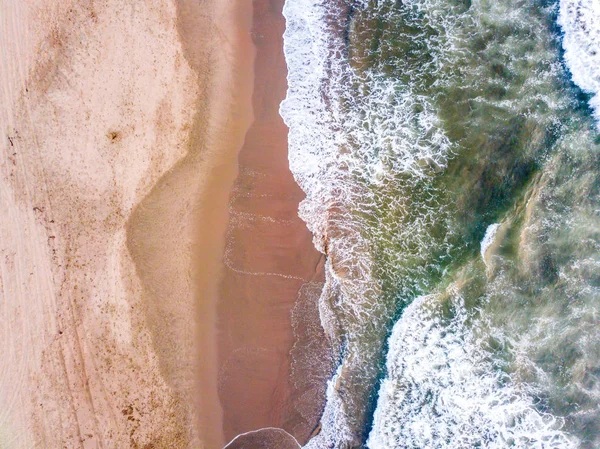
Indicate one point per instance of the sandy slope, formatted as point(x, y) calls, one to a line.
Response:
point(98, 103)
point(177, 234)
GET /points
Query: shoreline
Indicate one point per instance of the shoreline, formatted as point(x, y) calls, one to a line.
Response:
point(268, 437)
point(269, 262)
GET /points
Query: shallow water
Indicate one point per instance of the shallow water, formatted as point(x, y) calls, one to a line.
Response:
point(451, 169)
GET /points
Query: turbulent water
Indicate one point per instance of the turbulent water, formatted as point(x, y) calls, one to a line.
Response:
point(451, 161)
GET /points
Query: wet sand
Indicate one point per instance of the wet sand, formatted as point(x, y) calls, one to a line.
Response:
point(269, 256)
point(264, 438)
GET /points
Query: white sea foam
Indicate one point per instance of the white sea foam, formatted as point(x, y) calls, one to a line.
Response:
point(340, 140)
point(340, 144)
point(488, 239)
point(334, 422)
point(442, 391)
point(267, 436)
point(580, 22)
point(317, 136)
point(351, 132)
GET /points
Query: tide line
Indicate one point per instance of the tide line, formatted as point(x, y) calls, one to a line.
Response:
point(277, 429)
point(229, 265)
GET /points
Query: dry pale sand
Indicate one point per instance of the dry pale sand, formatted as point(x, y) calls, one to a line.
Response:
point(115, 138)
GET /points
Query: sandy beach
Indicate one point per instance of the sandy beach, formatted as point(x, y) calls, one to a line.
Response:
point(97, 103)
point(158, 289)
point(155, 279)
point(177, 233)
point(105, 138)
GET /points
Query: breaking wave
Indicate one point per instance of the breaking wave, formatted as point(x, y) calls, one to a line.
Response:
point(413, 125)
point(443, 390)
point(580, 21)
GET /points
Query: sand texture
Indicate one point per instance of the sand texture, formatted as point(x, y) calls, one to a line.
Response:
point(102, 113)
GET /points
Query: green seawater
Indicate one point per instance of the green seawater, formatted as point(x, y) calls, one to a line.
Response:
point(457, 115)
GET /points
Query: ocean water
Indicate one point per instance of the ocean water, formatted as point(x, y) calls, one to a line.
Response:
point(450, 156)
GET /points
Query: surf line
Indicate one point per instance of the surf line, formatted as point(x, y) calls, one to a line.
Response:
point(277, 429)
point(229, 265)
